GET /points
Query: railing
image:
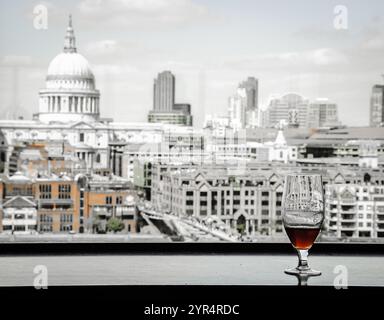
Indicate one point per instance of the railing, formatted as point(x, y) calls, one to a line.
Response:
point(348, 201)
point(348, 228)
point(55, 201)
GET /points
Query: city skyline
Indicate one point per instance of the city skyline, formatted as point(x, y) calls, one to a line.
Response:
point(191, 143)
point(125, 63)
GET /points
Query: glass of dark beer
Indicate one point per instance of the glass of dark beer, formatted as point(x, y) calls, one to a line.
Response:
point(303, 215)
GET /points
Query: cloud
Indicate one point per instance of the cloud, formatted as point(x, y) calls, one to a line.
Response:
point(118, 56)
point(116, 51)
point(373, 38)
point(291, 61)
point(103, 47)
point(327, 56)
point(109, 51)
point(374, 43)
point(319, 35)
point(142, 13)
point(309, 58)
point(123, 70)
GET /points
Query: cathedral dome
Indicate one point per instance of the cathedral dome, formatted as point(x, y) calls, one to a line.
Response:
point(69, 65)
point(70, 92)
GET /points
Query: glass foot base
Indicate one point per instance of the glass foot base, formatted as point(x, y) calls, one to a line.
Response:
point(303, 271)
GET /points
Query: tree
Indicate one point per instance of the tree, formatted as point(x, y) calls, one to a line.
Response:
point(115, 225)
point(95, 224)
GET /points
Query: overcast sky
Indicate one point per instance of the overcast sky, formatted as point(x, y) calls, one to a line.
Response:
point(209, 45)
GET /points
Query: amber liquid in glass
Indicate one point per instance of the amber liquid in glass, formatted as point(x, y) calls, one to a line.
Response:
point(302, 238)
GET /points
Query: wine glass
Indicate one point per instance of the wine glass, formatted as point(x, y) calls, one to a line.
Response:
point(303, 215)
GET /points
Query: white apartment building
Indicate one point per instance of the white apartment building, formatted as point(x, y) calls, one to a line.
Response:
point(355, 210)
point(249, 199)
point(19, 215)
point(249, 203)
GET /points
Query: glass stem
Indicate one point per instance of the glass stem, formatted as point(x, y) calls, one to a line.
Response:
point(303, 259)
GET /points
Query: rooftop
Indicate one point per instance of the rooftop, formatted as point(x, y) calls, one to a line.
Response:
point(351, 133)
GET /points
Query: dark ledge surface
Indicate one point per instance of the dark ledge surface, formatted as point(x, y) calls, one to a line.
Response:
point(188, 269)
point(111, 248)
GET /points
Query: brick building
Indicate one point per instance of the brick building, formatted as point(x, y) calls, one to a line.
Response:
point(58, 205)
point(108, 198)
point(62, 204)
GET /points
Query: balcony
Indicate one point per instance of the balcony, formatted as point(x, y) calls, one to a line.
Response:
point(56, 201)
point(347, 201)
point(125, 212)
point(101, 212)
point(55, 204)
point(380, 226)
point(348, 209)
point(348, 218)
point(21, 222)
point(348, 226)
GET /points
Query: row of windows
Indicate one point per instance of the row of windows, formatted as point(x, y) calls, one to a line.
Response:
point(370, 207)
point(46, 218)
point(49, 227)
point(235, 193)
point(119, 200)
point(19, 228)
point(46, 227)
point(22, 191)
point(368, 224)
point(65, 227)
point(46, 191)
point(235, 202)
point(369, 216)
point(64, 191)
point(18, 216)
point(230, 182)
point(66, 218)
point(264, 213)
point(49, 219)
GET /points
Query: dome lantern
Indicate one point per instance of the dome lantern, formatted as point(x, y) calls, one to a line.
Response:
point(70, 40)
